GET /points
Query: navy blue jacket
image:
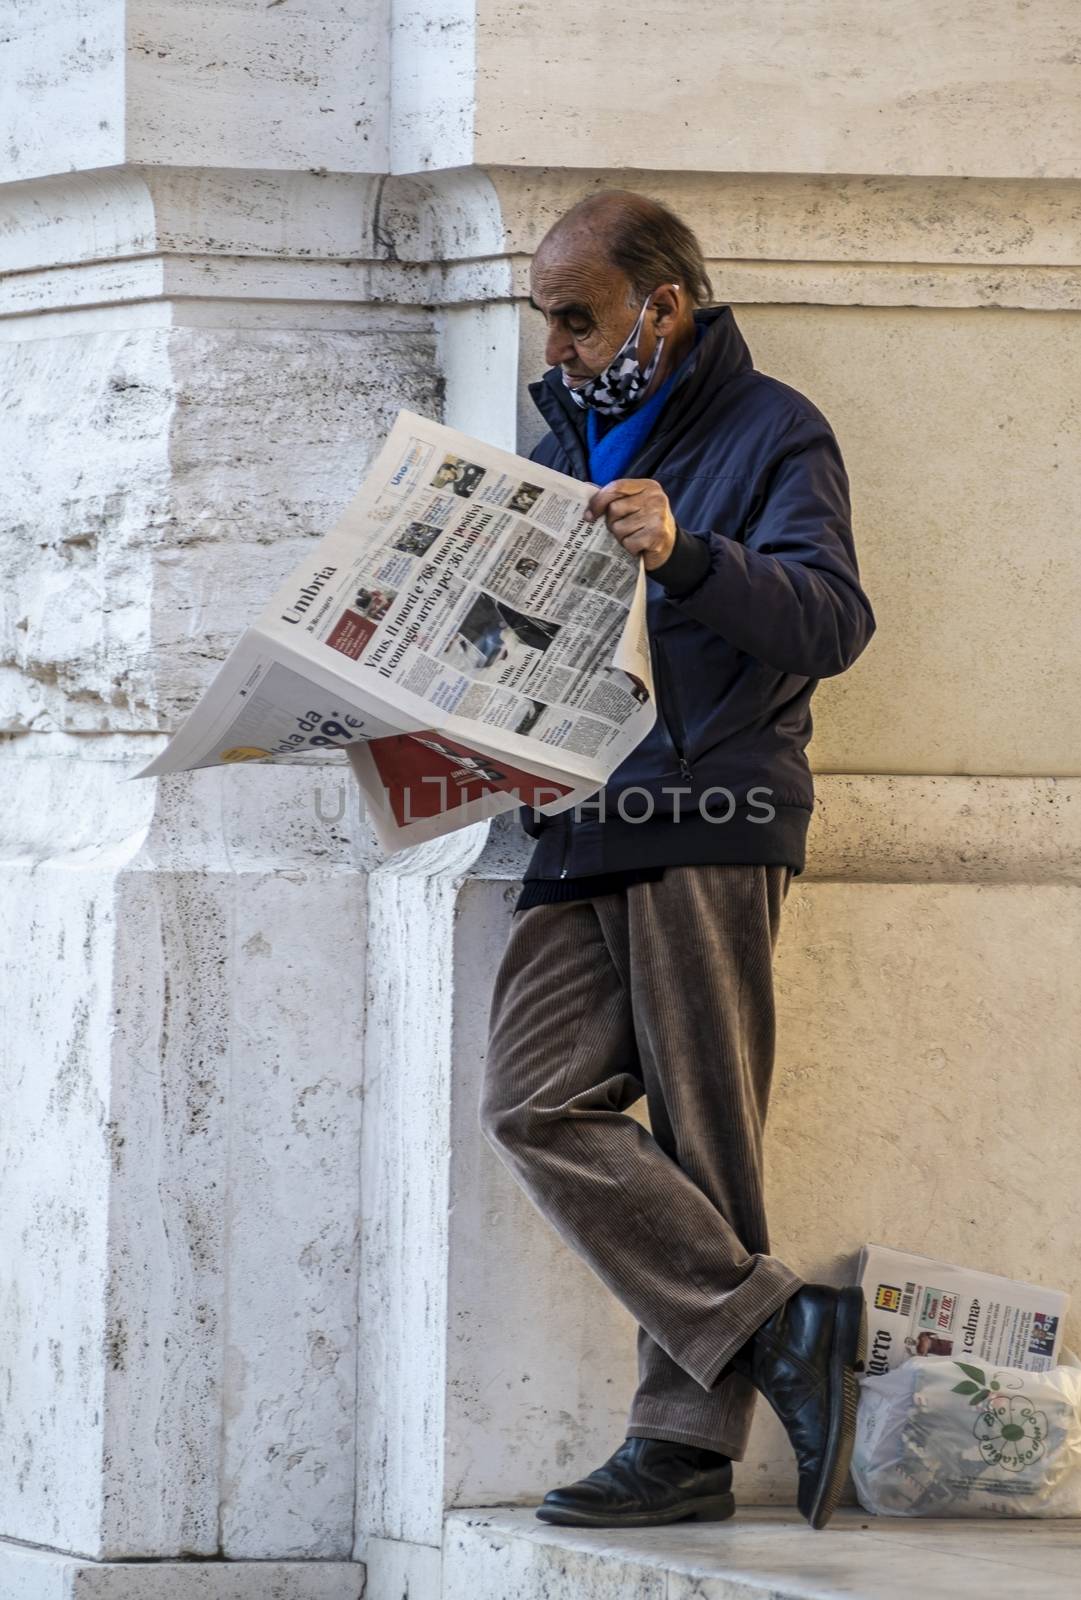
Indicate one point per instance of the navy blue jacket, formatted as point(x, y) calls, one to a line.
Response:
point(759, 599)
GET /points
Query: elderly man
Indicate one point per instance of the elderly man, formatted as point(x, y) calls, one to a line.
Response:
point(640, 956)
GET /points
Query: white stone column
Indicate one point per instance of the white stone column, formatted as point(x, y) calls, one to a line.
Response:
point(199, 355)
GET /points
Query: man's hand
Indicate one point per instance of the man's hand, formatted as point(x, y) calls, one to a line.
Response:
point(639, 516)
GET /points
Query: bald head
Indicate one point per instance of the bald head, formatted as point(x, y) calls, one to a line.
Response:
point(640, 237)
point(599, 264)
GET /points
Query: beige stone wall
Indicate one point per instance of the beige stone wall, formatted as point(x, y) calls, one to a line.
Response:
point(973, 87)
point(965, 497)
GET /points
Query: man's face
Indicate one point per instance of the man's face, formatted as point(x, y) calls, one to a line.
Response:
point(589, 307)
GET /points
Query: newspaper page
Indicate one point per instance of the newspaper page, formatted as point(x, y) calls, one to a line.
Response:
point(920, 1307)
point(462, 632)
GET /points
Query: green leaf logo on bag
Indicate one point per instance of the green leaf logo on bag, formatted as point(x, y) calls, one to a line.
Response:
point(976, 1384)
point(1009, 1430)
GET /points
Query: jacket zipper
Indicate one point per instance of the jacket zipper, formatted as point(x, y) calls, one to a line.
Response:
point(674, 723)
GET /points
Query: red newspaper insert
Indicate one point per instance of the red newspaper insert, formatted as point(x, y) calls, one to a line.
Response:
point(427, 774)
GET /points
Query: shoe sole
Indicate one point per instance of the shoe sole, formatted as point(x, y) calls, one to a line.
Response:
point(711, 1508)
point(847, 1356)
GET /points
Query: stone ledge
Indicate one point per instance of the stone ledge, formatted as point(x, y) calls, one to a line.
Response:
point(114, 213)
point(866, 827)
point(506, 1554)
point(205, 240)
point(31, 1573)
point(910, 828)
point(227, 290)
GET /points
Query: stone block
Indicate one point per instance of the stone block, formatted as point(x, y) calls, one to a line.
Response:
point(152, 515)
point(181, 1068)
point(969, 90)
point(179, 82)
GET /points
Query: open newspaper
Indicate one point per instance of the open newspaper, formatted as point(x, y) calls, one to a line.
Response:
point(920, 1307)
point(462, 632)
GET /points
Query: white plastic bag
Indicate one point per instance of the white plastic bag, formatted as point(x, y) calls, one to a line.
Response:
point(943, 1438)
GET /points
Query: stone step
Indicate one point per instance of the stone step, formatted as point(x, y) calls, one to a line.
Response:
point(764, 1553)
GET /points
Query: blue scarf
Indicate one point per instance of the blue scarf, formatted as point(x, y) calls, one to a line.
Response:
point(611, 453)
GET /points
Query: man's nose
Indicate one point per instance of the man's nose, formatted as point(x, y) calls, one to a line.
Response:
point(559, 346)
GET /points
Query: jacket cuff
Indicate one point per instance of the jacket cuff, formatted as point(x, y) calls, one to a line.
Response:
point(685, 567)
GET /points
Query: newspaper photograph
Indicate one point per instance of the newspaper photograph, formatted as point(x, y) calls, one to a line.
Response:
point(462, 633)
point(920, 1307)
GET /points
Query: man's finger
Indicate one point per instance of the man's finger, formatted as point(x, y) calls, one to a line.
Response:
point(611, 491)
point(637, 544)
point(619, 510)
point(631, 522)
point(636, 505)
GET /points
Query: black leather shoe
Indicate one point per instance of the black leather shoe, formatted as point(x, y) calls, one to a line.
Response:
point(804, 1360)
point(645, 1481)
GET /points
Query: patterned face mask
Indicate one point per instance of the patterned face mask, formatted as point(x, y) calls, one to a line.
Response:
point(616, 390)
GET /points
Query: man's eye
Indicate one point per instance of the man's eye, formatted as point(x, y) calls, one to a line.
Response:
point(579, 332)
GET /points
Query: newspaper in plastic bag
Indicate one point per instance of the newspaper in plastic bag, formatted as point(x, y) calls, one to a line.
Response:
point(920, 1307)
point(945, 1438)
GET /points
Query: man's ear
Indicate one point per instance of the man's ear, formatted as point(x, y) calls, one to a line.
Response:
point(667, 306)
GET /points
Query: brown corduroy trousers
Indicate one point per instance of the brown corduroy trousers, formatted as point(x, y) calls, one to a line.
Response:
point(663, 989)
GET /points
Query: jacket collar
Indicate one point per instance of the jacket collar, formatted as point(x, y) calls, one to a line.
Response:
point(716, 359)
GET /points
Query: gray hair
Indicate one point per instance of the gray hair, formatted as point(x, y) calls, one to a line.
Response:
point(645, 239)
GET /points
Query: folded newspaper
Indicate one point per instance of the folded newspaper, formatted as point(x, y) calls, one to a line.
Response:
point(920, 1307)
point(462, 633)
